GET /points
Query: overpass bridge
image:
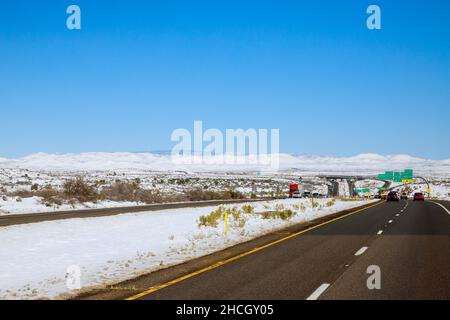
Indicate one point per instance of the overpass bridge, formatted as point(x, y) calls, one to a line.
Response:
point(334, 179)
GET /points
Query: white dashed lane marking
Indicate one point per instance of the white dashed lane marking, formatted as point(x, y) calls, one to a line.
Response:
point(316, 294)
point(361, 251)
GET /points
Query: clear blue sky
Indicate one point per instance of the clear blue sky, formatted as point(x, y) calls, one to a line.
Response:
point(139, 69)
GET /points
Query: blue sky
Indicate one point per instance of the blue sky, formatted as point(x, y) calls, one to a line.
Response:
point(137, 70)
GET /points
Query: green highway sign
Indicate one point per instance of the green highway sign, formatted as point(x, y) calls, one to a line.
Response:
point(397, 176)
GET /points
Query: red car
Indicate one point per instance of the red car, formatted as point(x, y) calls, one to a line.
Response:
point(419, 196)
point(392, 196)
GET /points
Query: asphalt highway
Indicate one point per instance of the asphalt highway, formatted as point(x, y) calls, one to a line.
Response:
point(402, 249)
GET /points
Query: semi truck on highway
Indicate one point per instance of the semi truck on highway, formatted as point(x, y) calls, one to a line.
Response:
point(294, 192)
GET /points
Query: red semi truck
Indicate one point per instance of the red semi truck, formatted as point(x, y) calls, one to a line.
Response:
point(293, 190)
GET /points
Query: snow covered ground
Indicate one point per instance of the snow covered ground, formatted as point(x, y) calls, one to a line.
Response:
point(11, 205)
point(344, 189)
point(439, 191)
point(363, 164)
point(35, 258)
point(16, 185)
point(157, 172)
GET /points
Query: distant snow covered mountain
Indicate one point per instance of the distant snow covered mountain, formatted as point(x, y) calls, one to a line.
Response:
point(367, 163)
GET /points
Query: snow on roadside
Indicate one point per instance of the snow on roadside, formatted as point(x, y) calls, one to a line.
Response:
point(35, 257)
point(344, 190)
point(439, 192)
point(11, 205)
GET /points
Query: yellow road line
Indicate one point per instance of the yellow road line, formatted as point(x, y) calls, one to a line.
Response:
point(221, 263)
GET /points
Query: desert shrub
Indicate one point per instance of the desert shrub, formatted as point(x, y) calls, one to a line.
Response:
point(205, 195)
point(132, 191)
point(283, 214)
point(50, 196)
point(248, 209)
point(238, 218)
point(22, 194)
point(198, 194)
point(331, 203)
point(154, 196)
point(233, 194)
point(240, 223)
point(212, 219)
point(122, 191)
point(34, 187)
point(100, 183)
point(300, 207)
point(80, 190)
point(286, 214)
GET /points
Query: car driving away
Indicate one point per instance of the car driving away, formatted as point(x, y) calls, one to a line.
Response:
point(419, 196)
point(392, 196)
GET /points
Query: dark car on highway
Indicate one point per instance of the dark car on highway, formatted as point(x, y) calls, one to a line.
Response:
point(392, 196)
point(419, 196)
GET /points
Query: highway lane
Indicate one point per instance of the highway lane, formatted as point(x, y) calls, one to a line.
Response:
point(413, 256)
point(414, 247)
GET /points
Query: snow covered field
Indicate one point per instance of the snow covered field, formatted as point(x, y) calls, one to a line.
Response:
point(35, 258)
point(363, 164)
point(156, 172)
point(10, 205)
point(439, 190)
